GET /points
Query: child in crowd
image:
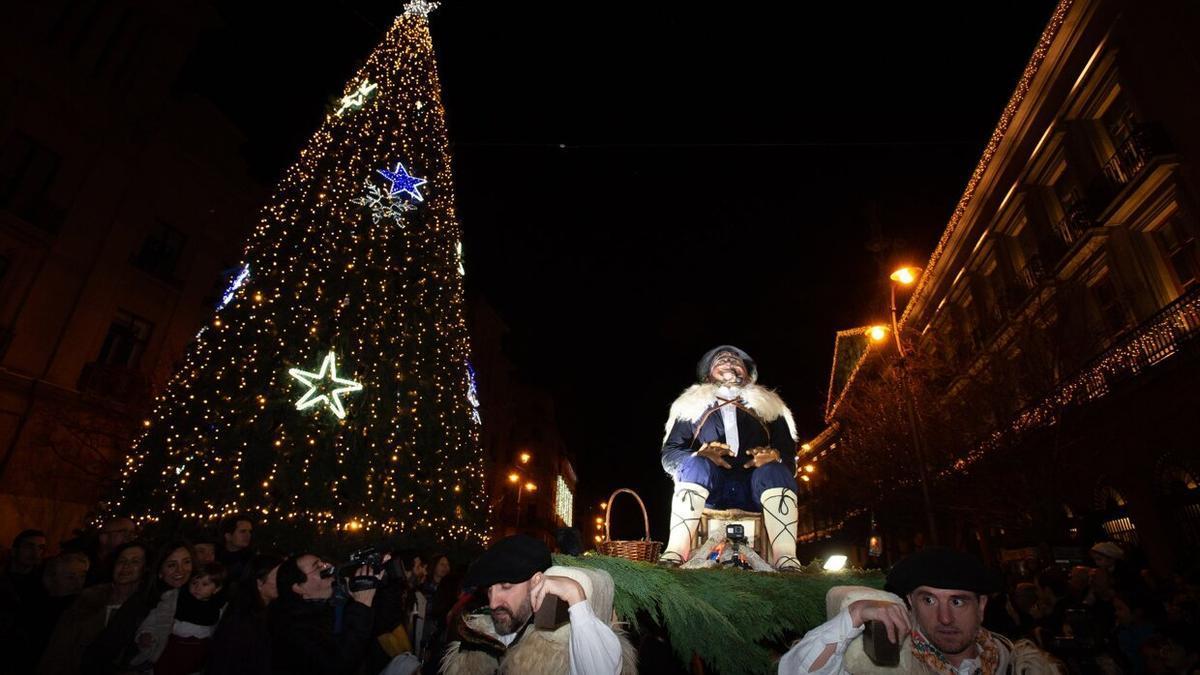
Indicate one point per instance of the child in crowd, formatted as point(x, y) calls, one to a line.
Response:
point(175, 636)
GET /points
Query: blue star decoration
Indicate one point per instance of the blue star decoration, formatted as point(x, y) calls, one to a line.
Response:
point(402, 181)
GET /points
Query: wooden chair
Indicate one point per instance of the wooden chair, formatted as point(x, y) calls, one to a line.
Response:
point(715, 520)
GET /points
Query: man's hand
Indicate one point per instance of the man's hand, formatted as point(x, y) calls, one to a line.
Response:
point(715, 452)
point(894, 617)
point(367, 597)
point(761, 456)
point(567, 589)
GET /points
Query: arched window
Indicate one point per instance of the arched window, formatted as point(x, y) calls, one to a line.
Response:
point(1114, 517)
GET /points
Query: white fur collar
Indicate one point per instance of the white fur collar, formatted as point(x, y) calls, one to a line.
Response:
point(698, 398)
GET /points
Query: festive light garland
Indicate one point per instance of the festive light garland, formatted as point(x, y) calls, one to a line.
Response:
point(224, 436)
point(926, 281)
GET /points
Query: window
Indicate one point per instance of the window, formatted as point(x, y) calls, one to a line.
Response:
point(1118, 121)
point(27, 172)
point(160, 251)
point(564, 501)
point(1109, 309)
point(1178, 245)
point(126, 341)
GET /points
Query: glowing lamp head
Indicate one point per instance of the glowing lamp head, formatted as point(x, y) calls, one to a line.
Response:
point(905, 275)
point(531, 487)
point(834, 563)
point(598, 539)
point(525, 457)
point(877, 333)
point(513, 478)
point(809, 468)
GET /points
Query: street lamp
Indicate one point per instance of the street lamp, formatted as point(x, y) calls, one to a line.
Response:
point(877, 333)
point(905, 276)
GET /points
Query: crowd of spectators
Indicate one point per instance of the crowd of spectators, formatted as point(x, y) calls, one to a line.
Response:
point(112, 602)
point(1110, 615)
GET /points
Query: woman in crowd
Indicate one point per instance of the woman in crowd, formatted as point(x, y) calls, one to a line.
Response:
point(242, 644)
point(115, 647)
point(85, 620)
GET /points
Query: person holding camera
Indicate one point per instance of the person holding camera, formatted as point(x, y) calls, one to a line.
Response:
point(519, 579)
point(731, 444)
point(317, 626)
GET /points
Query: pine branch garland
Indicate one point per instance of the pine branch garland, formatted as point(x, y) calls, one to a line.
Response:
point(730, 618)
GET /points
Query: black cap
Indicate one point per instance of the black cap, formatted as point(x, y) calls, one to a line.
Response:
point(511, 561)
point(939, 567)
point(706, 361)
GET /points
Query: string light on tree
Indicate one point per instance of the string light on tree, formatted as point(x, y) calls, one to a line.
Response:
point(237, 283)
point(331, 267)
point(314, 381)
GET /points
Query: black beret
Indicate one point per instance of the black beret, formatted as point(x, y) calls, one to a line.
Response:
point(512, 560)
point(939, 567)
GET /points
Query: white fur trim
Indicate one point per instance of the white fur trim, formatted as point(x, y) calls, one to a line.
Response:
point(698, 398)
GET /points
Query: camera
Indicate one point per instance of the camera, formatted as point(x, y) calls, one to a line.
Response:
point(736, 533)
point(373, 559)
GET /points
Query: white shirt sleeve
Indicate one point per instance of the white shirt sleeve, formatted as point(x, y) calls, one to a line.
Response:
point(595, 648)
point(838, 631)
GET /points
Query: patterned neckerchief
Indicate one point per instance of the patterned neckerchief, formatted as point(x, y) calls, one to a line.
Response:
point(989, 655)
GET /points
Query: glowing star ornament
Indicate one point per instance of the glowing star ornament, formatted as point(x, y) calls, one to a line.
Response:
point(383, 204)
point(420, 7)
point(233, 287)
point(358, 98)
point(312, 381)
point(403, 181)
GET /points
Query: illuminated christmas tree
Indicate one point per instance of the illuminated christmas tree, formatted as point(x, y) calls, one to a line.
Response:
point(331, 391)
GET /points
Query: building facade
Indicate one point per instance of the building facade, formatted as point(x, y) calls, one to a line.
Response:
point(530, 473)
point(1054, 326)
point(123, 206)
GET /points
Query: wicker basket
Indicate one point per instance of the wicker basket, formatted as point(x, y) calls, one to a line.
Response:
point(644, 550)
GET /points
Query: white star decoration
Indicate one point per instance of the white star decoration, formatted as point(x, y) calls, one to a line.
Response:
point(310, 380)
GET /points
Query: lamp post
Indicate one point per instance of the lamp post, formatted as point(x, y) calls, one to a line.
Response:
point(523, 485)
point(905, 276)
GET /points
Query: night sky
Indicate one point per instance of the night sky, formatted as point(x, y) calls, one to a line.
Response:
point(637, 185)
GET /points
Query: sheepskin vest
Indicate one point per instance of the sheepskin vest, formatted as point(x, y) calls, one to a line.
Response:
point(536, 651)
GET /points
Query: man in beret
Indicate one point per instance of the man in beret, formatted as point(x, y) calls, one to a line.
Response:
point(731, 444)
point(938, 623)
point(518, 577)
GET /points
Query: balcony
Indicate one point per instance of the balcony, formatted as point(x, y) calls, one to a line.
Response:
point(1033, 274)
point(1075, 224)
point(1145, 142)
point(115, 382)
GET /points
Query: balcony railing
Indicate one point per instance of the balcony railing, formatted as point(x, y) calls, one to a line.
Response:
point(1033, 274)
point(1075, 223)
point(1171, 330)
point(1145, 142)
